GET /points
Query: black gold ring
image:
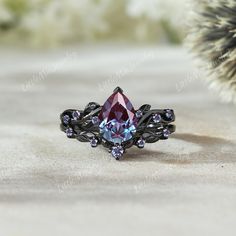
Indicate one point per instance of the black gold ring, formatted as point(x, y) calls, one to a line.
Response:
point(117, 125)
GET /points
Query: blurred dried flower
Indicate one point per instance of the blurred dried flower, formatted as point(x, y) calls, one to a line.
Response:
point(213, 39)
point(52, 22)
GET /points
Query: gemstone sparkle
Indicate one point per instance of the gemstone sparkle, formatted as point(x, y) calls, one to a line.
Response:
point(169, 114)
point(66, 119)
point(156, 118)
point(76, 115)
point(95, 120)
point(166, 133)
point(138, 114)
point(69, 132)
point(117, 152)
point(141, 143)
point(93, 142)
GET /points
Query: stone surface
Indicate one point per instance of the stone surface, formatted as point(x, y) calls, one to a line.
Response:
point(118, 121)
point(50, 185)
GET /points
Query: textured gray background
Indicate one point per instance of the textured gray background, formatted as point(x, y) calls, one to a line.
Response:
point(52, 185)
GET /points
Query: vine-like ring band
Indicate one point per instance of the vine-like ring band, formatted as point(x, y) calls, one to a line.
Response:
point(117, 125)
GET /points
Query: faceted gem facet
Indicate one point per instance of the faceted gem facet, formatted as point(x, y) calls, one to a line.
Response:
point(166, 133)
point(93, 142)
point(69, 132)
point(117, 152)
point(95, 120)
point(141, 143)
point(169, 114)
point(156, 118)
point(66, 119)
point(138, 114)
point(76, 115)
point(118, 120)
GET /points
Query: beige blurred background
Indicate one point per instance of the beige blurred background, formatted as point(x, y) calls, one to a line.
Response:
point(48, 23)
point(63, 54)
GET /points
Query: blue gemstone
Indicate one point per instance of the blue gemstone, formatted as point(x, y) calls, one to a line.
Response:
point(116, 131)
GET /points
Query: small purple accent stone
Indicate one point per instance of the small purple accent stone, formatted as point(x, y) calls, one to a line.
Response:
point(166, 133)
point(156, 118)
point(138, 114)
point(66, 119)
point(76, 115)
point(69, 132)
point(169, 114)
point(117, 152)
point(141, 143)
point(93, 142)
point(95, 120)
point(92, 106)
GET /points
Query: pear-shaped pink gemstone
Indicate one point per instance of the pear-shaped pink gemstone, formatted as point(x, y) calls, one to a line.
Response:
point(117, 117)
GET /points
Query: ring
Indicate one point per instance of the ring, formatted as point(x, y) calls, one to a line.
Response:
point(117, 125)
